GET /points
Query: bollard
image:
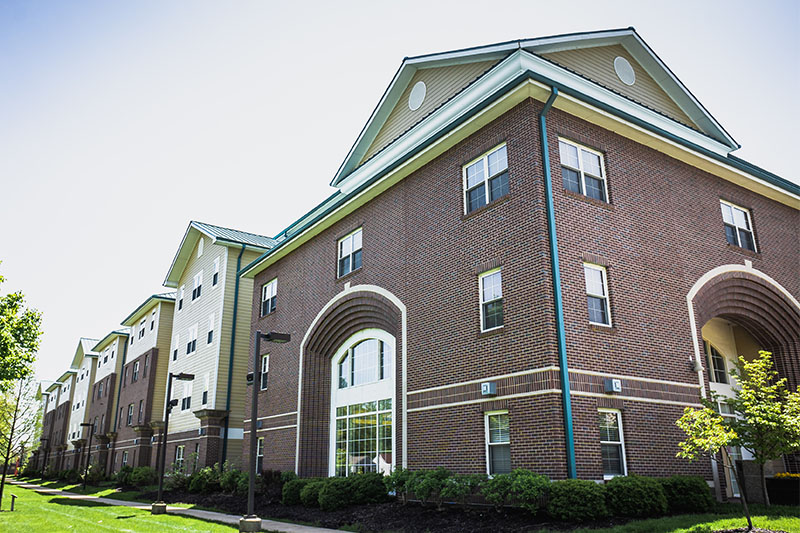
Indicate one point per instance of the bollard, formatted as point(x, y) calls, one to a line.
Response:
point(13, 497)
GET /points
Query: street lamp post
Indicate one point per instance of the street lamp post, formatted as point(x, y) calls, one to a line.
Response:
point(160, 507)
point(251, 522)
point(88, 451)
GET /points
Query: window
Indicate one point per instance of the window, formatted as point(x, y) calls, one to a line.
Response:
point(364, 438)
point(738, 229)
point(124, 458)
point(269, 297)
point(135, 375)
point(152, 320)
point(186, 401)
point(498, 443)
point(350, 253)
point(180, 300)
point(215, 277)
point(146, 362)
point(141, 327)
point(176, 341)
point(198, 285)
point(102, 423)
point(141, 411)
point(179, 457)
point(491, 294)
point(125, 377)
point(716, 364)
point(612, 444)
point(105, 356)
point(366, 362)
point(100, 390)
point(264, 371)
point(200, 244)
point(130, 414)
point(260, 455)
point(597, 294)
point(205, 390)
point(191, 344)
point(582, 170)
point(486, 179)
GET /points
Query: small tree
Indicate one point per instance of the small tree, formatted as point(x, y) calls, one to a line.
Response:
point(20, 330)
point(20, 419)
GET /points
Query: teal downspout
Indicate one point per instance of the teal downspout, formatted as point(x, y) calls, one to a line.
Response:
point(230, 359)
point(566, 400)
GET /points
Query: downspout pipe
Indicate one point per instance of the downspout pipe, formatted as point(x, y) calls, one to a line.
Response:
point(566, 400)
point(230, 358)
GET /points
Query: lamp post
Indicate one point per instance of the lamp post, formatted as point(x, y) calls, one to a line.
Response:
point(88, 451)
point(251, 522)
point(160, 507)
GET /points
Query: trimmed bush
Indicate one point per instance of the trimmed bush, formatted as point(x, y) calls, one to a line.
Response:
point(636, 497)
point(291, 491)
point(397, 482)
point(529, 489)
point(427, 485)
point(497, 490)
point(141, 476)
point(577, 500)
point(309, 494)
point(460, 487)
point(176, 480)
point(288, 476)
point(229, 481)
point(368, 487)
point(124, 475)
point(205, 480)
point(335, 494)
point(687, 494)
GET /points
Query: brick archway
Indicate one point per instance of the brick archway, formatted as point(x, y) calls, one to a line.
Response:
point(354, 312)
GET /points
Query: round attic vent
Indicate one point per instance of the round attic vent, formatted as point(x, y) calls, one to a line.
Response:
point(624, 71)
point(417, 96)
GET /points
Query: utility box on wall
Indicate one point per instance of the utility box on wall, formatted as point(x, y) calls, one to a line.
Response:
point(612, 385)
point(489, 388)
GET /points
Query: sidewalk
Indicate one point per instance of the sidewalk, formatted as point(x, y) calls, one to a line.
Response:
point(233, 520)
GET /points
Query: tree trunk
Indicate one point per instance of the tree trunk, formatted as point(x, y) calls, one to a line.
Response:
point(740, 480)
point(764, 484)
point(8, 448)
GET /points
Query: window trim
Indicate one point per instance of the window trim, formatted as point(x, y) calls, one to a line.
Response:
point(712, 371)
point(486, 178)
point(621, 442)
point(582, 173)
point(481, 303)
point(264, 363)
point(339, 256)
point(488, 444)
point(606, 297)
point(273, 299)
point(751, 231)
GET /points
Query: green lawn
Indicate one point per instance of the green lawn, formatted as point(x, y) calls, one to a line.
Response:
point(37, 512)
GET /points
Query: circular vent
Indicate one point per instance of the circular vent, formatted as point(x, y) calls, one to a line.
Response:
point(624, 71)
point(417, 96)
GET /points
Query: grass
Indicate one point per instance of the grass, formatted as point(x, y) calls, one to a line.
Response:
point(39, 512)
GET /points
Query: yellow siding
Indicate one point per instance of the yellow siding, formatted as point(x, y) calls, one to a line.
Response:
point(597, 64)
point(163, 341)
point(441, 84)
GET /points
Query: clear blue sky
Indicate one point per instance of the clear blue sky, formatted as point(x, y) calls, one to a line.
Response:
point(122, 121)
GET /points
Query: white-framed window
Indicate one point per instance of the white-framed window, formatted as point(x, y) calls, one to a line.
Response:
point(264, 371)
point(498, 442)
point(141, 412)
point(130, 414)
point(135, 375)
point(269, 297)
point(142, 328)
point(215, 276)
point(191, 343)
point(597, 294)
point(210, 336)
point(124, 458)
point(186, 399)
point(200, 245)
point(612, 443)
point(176, 341)
point(583, 170)
point(350, 252)
point(100, 390)
point(485, 178)
point(105, 356)
point(205, 390)
point(718, 371)
point(152, 320)
point(181, 294)
point(146, 363)
point(738, 225)
point(179, 457)
point(260, 454)
point(490, 285)
point(197, 283)
point(366, 362)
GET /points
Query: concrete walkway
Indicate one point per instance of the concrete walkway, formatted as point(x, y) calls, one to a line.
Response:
point(233, 520)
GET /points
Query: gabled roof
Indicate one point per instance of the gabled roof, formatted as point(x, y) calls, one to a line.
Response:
point(218, 235)
point(108, 339)
point(53, 386)
point(627, 38)
point(146, 305)
point(43, 389)
point(66, 374)
point(84, 349)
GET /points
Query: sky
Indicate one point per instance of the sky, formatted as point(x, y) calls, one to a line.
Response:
point(122, 121)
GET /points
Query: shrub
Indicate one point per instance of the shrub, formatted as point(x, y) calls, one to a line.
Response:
point(141, 476)
point(176, 480)
point(635, 497)
point(427, 485)
point(243, 484)
point(686, 494)
point(229, 481)
point(309, 494)
point(123, 476)
point(72, 476)
point(335, 494)
point(94, 474)
point(397, 482)
point(577, 500)
point(460, 487)
point(529, 489)
point(205, 480)
point(367, 487)
point(497, 490)
point(291, 491)
point(288, 476)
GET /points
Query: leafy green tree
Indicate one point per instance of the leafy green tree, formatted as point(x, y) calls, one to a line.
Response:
point(20, 423)
point(20, 330)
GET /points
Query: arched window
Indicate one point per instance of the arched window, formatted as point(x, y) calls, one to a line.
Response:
point(362, 404)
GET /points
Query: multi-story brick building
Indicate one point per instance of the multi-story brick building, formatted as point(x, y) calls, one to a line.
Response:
point(65, 385)
point(210, 331)
point(529, 245)
point(83, 364)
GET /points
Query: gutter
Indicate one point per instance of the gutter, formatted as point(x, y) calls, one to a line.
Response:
point(566, 400)
point(230, 359)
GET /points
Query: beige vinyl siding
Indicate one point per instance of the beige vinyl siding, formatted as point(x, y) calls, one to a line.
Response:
point(597, 64)
point(66, 396)
point(242, 347)
point(204, 359)
point(166, 312)
point(82, 394)
point(441, 84)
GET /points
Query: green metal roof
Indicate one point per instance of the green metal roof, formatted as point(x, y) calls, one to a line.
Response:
point(163, 297)
point(234, 235)
point(108, 338)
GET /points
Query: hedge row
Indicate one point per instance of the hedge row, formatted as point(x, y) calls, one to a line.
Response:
point(335, 492)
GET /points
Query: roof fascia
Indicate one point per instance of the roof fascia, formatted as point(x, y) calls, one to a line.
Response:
point(144, 307)
point(108, 339)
